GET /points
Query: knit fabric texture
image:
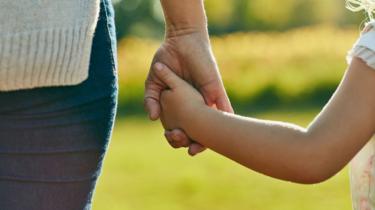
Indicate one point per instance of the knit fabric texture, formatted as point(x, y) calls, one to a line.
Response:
point(45, 42)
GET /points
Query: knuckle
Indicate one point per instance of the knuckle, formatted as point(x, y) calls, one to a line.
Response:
point(163, 98)
point(167, 137)
point(175, 136)
point(174, 145)
point(164, 95)
point(182, 135)
point(185, 143)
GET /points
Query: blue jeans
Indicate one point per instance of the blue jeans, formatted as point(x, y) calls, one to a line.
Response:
point(53, 139)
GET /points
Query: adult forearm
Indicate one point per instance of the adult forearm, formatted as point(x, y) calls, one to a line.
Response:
point(184, 16)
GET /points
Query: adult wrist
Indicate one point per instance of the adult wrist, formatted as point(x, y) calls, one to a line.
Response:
point(189, 42)
point(184, 16)
point(182, 29)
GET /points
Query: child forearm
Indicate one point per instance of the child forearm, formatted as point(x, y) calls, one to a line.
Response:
point(277, 149)
point(288, 151)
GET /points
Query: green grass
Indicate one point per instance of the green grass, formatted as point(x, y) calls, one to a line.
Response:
point(142, 172)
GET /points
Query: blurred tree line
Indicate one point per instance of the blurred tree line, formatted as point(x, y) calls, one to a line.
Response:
point(144, 18)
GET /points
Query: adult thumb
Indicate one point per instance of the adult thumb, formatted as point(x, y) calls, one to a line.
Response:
point(167, 76)
point(223, 103)
point(215, 94)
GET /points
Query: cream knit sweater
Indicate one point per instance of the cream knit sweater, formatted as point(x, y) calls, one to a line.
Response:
point(45, 42)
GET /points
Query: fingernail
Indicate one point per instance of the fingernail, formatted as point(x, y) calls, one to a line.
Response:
point(159, 66)
point(152, 116)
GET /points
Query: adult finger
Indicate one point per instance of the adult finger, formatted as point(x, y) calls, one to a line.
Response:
point(151, 99)
point(223, 103)
point(171, 142)
point(196, 148)
point(179, 137)
point(214, 95)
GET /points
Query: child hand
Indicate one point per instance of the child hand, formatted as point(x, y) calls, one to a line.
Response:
point(180, 101)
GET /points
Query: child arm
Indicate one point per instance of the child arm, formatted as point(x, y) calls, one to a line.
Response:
point(279, 149)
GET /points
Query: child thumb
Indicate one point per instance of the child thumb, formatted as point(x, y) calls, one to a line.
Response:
point(166, 75)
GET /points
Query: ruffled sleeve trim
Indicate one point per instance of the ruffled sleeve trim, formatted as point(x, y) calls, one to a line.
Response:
point(366, 54)
point(364, 47)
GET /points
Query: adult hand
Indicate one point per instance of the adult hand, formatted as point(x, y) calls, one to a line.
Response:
point(188, 53)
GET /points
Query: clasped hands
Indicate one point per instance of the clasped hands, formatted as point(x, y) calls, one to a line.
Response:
point(180, 61)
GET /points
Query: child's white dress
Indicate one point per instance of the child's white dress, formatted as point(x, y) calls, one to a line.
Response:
point(362, 167)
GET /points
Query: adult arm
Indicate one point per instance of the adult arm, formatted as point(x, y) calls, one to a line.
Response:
point(186, 49)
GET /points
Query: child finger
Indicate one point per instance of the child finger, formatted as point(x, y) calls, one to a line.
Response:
point(166, 75)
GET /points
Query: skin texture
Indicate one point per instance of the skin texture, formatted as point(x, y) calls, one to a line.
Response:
point(279, 149)
point(187, 50)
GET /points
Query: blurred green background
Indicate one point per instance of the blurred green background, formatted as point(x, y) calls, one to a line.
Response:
point(280, 60)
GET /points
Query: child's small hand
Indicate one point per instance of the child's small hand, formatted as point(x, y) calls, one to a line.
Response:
point(180, 101)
